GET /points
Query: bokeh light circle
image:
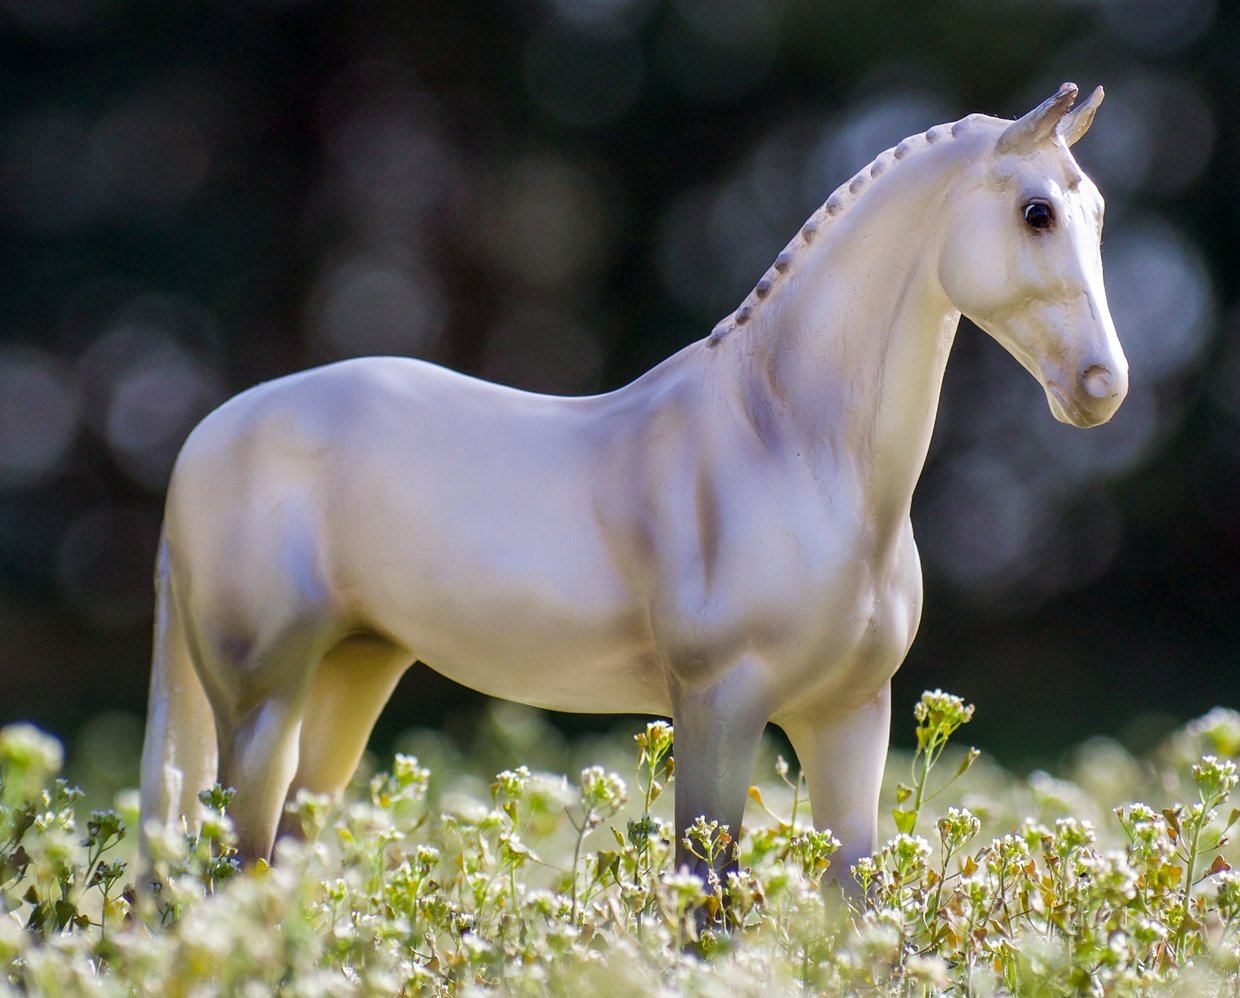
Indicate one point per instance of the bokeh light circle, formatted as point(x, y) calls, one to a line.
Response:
point(39, 416)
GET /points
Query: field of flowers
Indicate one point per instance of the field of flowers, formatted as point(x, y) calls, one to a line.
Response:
point(436, 877)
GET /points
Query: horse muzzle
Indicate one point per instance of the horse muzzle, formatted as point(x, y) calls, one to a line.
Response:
point(1096, 393)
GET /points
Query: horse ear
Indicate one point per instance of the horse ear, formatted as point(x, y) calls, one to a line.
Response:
point(1038, 126)
point(1076, 122)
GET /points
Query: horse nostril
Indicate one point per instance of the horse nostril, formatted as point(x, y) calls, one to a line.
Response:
point(1097, 381)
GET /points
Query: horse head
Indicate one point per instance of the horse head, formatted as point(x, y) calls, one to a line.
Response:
point(1021, 258)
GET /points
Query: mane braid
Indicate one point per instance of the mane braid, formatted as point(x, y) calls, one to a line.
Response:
point(837, 204)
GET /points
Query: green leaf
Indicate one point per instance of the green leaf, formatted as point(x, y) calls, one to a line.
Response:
point(608, 862)
point(38, 916)
point(906, 821)
point(66, 912)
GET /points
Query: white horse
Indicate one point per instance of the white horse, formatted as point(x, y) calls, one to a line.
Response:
point(726, 540)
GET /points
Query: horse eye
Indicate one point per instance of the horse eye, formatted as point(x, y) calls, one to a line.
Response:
point(1038, 215)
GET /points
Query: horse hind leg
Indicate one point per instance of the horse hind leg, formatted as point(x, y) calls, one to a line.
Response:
point(179, 750)
point(259, 714)
point(353, 683)
point(262, 613)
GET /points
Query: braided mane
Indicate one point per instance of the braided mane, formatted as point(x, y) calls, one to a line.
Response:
point(844, 197)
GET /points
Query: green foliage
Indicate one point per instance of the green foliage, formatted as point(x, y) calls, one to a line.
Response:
point(938, 715)
point(543, 886)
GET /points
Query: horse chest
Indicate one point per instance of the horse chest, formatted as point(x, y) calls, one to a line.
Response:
point(821, 604)
point(868, 622)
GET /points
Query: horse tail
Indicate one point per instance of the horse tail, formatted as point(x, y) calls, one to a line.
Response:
point(179, 752)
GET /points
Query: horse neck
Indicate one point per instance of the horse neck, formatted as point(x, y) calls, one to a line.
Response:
point(853, 347)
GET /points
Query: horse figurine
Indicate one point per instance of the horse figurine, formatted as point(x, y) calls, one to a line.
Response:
point(725, 541)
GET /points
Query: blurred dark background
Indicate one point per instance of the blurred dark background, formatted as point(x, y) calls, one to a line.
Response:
point(195, 197)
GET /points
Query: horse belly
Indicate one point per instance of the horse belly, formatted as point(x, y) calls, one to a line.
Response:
point(626, 682)
point(511, 593)
point(519, 645)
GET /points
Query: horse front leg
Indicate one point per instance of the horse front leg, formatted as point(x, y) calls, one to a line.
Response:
point(842, 756)
point(718, 725)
